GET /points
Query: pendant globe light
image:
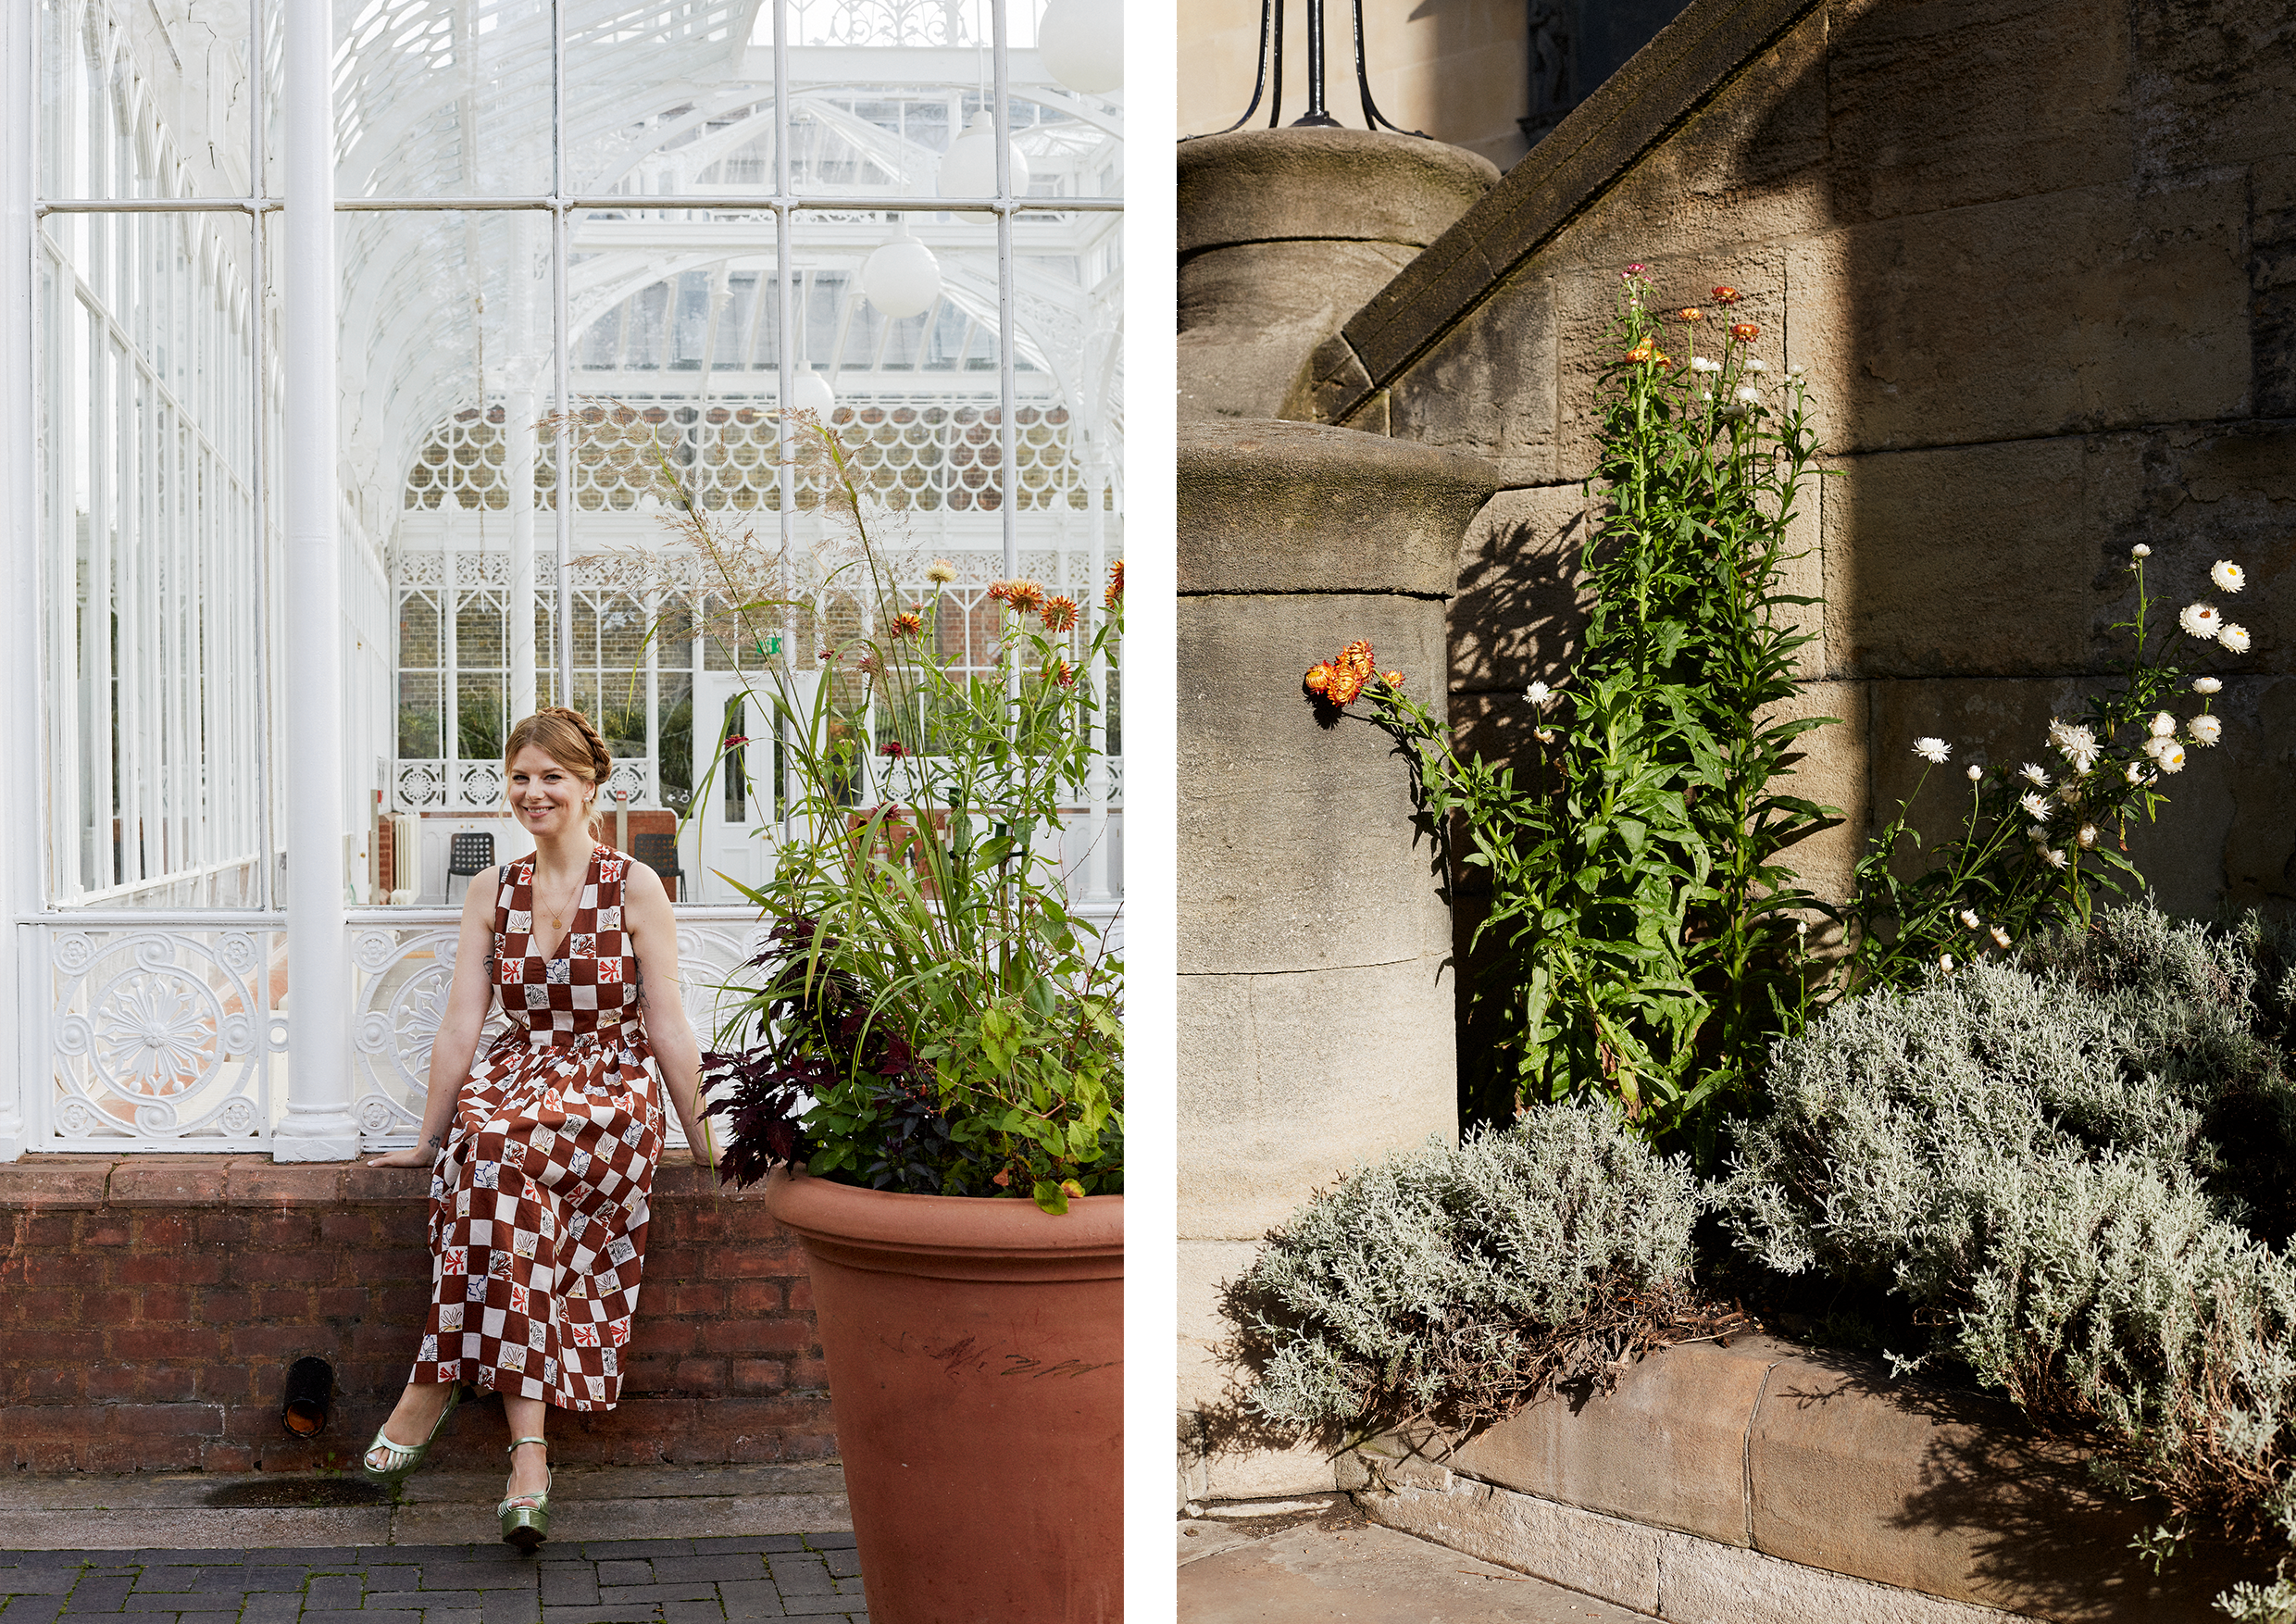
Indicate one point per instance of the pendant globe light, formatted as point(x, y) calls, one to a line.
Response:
point(809, 391)
point(1081, 44)
point(968, 167)
point(902, 278)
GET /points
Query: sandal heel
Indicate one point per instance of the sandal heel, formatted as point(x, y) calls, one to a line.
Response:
point(525, 1517)
point(399, 1458)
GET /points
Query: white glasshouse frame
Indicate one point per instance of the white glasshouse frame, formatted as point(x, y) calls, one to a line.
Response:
point(129, 991)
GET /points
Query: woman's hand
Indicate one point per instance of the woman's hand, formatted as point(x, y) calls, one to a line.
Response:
point(413, 1155)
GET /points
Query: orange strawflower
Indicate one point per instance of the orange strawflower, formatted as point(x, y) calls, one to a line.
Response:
point(1691, 314)
point(1341, 680)
point(1640, 353)
point(1024, 594)
point(1059, 613)
point(1745, 333)
point(1725, 296)
point(1066, 676)
point(1116, 585)
point(1319, 678)
point(906, 624)
point(1393, 679)
point(999, 591)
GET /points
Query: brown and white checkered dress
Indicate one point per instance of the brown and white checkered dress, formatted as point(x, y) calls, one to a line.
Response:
point(537, 1199)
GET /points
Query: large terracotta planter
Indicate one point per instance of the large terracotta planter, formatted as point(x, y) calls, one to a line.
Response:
point(976, 1355)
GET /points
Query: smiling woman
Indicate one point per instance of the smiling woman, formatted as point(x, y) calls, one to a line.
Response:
point(542, 1150)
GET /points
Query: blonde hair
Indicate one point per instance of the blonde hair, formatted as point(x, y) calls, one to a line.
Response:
point(567, 736)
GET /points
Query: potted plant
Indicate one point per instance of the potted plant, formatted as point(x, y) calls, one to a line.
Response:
point(928, 1067)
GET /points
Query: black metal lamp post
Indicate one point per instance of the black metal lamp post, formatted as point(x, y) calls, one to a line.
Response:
point(1316, 117)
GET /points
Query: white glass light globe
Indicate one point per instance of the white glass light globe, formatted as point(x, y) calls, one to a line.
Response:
point(902, 278)
point(1081, 43)
point(809, 391)
point(968, 167)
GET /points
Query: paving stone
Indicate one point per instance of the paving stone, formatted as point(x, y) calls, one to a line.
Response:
point(335, 1592)
point(570, 1584)
point(625, 1572)
point(38, 1581)
point(451, 1615)
point(165, 1601)
point(646, 1596)
point(271, 1607)
point(511, 1607)
point(278, 1578)
point(744, 1598)
point(395, 1576)
point(427, 1601)
point(209, 1618)
point(835, 1541)
point(485, 1576)
point(844, 1564)
point(712, 1611)
point(597, 1550)
point(751, 1542)
point(358, 1615)
point(813, 1606)
point(600, 1616)
point(35, 1608)
point(100, 1593)
point(809, 1575)
point(716, 1565)
point(171, 1578)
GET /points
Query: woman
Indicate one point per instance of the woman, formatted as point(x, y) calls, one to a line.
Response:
point(543, 1153)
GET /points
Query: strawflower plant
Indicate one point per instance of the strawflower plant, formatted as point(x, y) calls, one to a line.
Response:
point(1644, 922)
point(2040, 842)
point(931, 1017)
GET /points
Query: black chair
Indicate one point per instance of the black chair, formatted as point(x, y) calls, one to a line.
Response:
point(660, 853)
point(467, 856)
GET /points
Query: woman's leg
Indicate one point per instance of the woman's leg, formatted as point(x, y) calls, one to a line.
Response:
point(417, 1413)
point(529, 1466)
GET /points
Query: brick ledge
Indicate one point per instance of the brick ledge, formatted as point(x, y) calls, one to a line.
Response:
point(87, 1183)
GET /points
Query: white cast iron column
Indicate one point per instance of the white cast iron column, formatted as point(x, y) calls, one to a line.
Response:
point(19, 599)
point(319, 1126)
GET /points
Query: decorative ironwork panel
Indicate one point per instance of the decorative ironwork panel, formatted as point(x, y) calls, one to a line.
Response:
point(160, 1038)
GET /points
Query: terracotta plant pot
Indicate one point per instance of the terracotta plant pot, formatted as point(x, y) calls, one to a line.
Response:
point(976, 1355)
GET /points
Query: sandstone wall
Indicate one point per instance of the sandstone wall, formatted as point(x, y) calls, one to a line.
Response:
point(2038, 258)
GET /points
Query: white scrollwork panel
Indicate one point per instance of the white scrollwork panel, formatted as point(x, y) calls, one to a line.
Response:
point(160, 1036)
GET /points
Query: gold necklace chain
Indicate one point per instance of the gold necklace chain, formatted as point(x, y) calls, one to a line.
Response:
point(556, 923)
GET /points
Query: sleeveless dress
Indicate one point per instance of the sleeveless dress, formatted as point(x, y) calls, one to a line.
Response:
point(538, 1197)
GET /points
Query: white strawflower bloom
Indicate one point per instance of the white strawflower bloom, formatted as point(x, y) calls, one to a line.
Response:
point(2154, 743)
point(1750, 394)
point(2163, 725)
point(1797, 374)
point(2170, 756)
point(2140, 551)
point(2199, 619)
point(2234, 638)
point(2037, 806)
point(2088, 836)
point(1705, 395)
point(941, 572)
point(2072, 741)
point(1945, 963)
point(2069, 792)
point(1933, 751)
point(1538, 693)
point(2037, 835)
point(1975, 772)
point(2000, 938)
point(1754, 366)
point(2053, 858)
point(2227, 577)
point(1701, 364)
point(2205, 730)
point(1969, 918)
point(2031, 774)
point(2207, 685)
point(2135, 771)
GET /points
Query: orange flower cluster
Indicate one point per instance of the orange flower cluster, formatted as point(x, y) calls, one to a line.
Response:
point(1116, 585)
point(1021, 594)
point(1725, 296)
point(1066, 676)
point(908, 624)
point(1745, 333)
point(1059, 613)
point(1692, 313)
point(1339, 681)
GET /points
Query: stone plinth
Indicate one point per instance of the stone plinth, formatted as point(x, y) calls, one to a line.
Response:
point(1284, 234)
point(1314, 1005)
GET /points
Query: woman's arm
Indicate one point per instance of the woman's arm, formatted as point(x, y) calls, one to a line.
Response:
point(653, 937)
point(457, 1042)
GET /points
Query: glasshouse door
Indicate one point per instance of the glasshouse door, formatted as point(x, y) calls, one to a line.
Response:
point(732, 832)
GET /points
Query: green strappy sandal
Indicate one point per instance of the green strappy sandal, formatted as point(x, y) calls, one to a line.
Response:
point(398, 1460)
point(525, 1517)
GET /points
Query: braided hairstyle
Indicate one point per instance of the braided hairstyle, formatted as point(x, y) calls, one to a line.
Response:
point(568, 737)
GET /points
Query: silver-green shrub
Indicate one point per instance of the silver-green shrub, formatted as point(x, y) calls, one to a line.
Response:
point(2033, 1155)
point(1453, 1280)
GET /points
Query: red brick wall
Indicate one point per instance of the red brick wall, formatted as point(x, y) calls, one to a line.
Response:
point(150, 1306)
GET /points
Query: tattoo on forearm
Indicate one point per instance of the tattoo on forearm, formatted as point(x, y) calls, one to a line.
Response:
point(436, 1140)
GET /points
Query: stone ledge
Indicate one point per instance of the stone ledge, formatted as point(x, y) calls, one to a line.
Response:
point(87, 1183)
point(1680, 71)
point(1791, 1459)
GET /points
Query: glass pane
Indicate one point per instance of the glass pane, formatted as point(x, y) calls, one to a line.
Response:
point(143, 101)
point(152, 641)
point(443, 98)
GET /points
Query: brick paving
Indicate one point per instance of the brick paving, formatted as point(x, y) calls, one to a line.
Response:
point(613, 1581)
